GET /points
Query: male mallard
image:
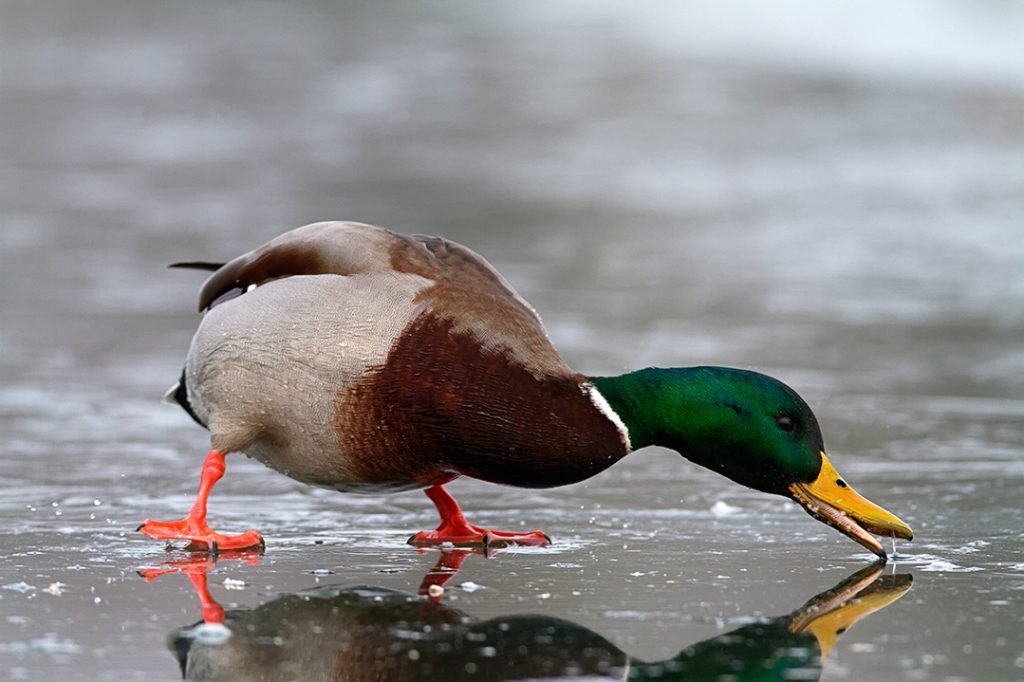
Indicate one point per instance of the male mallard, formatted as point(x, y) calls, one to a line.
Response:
point(348, 356)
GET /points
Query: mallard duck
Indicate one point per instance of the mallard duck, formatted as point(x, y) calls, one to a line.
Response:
point(352, 357)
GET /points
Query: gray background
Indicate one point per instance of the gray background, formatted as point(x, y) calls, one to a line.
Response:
point(833, 196)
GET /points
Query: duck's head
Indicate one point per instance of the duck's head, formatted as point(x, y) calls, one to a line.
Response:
point(753, 429)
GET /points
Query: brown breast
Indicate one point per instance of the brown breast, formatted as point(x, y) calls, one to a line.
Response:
point(444, 403)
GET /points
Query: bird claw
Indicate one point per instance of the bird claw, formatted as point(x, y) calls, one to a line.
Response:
point(200, 537)
point(479, 537)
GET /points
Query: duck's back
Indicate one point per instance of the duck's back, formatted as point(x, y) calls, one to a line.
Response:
point(350, 356)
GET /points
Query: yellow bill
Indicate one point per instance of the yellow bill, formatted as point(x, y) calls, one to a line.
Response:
point(831, 500)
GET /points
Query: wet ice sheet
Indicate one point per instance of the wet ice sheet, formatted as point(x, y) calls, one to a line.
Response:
point(649, 580)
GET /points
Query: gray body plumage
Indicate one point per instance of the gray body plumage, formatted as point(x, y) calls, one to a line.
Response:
point(265, 370)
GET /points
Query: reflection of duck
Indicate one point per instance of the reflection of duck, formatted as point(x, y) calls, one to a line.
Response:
point(352, 357)
point(370, 633)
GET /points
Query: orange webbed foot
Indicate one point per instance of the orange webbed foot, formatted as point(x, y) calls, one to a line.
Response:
point(200, 536)
point(456, 530)
point(474, 536)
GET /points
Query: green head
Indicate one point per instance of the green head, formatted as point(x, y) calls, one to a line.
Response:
point(751, 428)
point(747, 426)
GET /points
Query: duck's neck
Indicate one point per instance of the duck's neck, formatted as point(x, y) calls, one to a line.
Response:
point(666, 407)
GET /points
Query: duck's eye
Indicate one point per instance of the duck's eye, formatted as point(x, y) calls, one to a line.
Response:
point(786, 423)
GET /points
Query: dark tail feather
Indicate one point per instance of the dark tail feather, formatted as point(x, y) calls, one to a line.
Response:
point(180, 396)
point(197, 265)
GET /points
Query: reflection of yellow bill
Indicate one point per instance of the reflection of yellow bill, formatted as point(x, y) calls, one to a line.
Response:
point(833, 613)
point(831, 500)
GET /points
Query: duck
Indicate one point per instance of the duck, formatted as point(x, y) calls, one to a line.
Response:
point(352, 357)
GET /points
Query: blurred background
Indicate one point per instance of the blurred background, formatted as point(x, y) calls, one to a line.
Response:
point(832, 194)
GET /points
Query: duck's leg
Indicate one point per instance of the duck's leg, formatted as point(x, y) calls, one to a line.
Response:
point(455, 529)
point(193, 527)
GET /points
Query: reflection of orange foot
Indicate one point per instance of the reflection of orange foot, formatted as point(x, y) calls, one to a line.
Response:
point(187, 566)
point(455, 529)
point(198, 563)
point(196, 567)
point(193, 527)
point(448, 564)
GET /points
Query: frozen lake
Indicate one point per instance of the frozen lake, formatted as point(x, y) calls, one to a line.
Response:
point(835, 201)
